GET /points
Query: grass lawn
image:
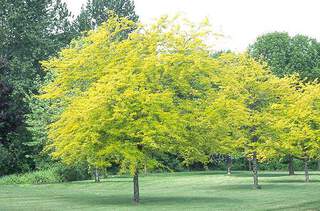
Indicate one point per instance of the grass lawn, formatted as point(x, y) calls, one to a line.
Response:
point(174, 191)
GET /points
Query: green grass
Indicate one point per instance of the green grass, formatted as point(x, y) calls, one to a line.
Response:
point(176, 191)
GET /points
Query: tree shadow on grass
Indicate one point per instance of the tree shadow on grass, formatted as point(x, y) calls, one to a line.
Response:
point(291, 181)
point(189, 173)
point(310, 205)
point(261, 174)
point(129, 180)
point(249, 187)
point(125, 200)
point(267, 174)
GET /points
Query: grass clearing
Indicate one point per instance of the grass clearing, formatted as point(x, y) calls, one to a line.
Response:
point(210, 190)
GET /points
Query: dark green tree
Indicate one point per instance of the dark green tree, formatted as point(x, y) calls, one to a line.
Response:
point(287, 55)
point(96, 12)
point(304, 57)
point(30, 31)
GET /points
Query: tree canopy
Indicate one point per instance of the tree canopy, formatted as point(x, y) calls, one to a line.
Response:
point(125, 99)
point(96, 12)
point(287, 55)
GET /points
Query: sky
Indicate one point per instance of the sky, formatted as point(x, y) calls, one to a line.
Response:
point(240, 21)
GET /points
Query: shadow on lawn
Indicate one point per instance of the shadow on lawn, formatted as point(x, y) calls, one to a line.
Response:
point(291, 181)
point(125, 200)
point(234, 173)
point(270, 174)
point(187, 173)
point(261, 174)
point(311, 205)
point(249, 187)
point(112, 180)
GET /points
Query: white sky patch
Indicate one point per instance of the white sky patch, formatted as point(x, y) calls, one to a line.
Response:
point(241, 21)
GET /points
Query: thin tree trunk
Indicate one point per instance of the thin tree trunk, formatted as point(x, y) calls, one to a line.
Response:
point(145, 169)
point(290, 165)
point(255, 171)
point(229, 164)
point(249, 164)
point(96, 175)
point(318, 165)
point(306, 171)
point(136, 196)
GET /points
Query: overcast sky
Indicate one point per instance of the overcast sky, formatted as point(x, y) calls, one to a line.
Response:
point(241, 21)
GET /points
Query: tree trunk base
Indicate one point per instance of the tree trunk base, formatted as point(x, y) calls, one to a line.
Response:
point(257, 187)
point(96, 175)
point(306, 171)
point(290, 166)
point(255, 171)
point(249, 164)
point(136, 194)
point(229, 171)
point(229, 164)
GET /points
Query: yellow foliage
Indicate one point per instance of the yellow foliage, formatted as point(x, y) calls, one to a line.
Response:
point(159, 90)
point(124, 98)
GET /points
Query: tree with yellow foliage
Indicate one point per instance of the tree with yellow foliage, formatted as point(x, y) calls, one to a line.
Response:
point(240, 114)
point(125, 99)
point(297, 123)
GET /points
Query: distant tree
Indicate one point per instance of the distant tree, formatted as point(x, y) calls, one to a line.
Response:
point(287, 55)
point(37, 120)
point(95, 12)
point(7, 122)
point(304, 57)
point(273, 48)
point(30, 31)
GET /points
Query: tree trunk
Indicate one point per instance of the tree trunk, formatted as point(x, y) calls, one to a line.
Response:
point(249, 164)
point(255, 171)
point(145, 169)
point(229, 164)
point(306, 171)
point(290, 165)
point(136, 196)
point(96, 175)
point(318, 165)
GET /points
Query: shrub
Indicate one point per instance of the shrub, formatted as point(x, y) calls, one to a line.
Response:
point(37, 177)
point(73, 173)
point(54, 174)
